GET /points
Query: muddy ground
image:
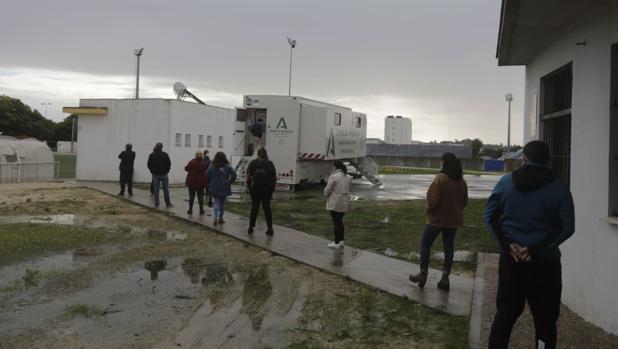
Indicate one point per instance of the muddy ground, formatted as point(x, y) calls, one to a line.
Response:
point(80, 269)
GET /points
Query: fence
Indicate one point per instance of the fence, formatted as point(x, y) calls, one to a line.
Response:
point(14, 172)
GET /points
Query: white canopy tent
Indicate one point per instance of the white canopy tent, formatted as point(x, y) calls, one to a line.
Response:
point(25, 160)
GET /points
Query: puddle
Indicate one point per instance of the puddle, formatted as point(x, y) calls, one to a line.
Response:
point(458, 256)
point(62, 219)
point(166, 235)
point(390, 252)
point(244, 305)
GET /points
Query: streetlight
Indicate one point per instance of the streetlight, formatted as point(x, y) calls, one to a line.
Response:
point(509, 98)
point(138, 54)
point(45, 104)
point(292, 45)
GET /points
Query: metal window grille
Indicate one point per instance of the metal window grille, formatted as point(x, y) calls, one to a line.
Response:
point(556, 95)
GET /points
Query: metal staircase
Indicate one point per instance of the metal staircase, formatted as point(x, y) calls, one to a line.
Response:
point(371, 176)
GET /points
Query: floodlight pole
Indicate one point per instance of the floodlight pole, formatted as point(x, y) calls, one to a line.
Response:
point(292, 45)
point(138, 54)
point(509, 99)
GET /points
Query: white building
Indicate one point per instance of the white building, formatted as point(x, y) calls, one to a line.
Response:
point(570, 50)
point(397, 130)
point(106, 125)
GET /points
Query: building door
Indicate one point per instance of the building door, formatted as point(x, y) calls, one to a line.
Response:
point(613, 135)
point(556, 95)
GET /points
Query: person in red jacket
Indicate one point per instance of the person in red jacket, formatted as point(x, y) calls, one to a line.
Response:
point(196, 181)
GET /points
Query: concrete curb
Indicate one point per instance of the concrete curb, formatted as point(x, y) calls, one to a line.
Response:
point(476, 311)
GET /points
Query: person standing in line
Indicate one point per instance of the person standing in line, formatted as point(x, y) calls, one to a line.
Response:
point(159, 165)
point(127, 158)
point(207, 164)
point(337, 193)
point(196, 180)
point(529, 213)
point(257, 131)
point(446, 198)
point(261, 180)
point(220, 175)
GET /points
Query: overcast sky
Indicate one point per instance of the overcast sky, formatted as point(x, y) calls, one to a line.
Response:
point(432, 60)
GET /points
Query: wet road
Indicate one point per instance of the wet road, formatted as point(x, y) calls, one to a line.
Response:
point(400, 187)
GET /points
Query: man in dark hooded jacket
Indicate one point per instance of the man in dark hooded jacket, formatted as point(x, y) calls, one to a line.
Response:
point(127, 158)
point(529, 213)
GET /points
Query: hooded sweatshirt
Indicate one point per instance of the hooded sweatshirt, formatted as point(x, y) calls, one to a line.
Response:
point(531, 208)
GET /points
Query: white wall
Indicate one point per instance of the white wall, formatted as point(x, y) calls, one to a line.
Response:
point(590, 257)
point(397, 130)
point(143, 123)
point(196, 119)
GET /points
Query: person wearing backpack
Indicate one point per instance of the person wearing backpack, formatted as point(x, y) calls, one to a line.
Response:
point(219, 176)
point(261, 180)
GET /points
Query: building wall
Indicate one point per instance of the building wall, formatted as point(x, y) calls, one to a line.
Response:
point(397, 130)
point(590, 257)
point(143, 123)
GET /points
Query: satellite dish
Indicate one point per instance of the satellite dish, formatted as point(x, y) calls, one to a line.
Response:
point(180, 89)
point(181, 93)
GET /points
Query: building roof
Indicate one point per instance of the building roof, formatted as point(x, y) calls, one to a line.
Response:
point(528, 26)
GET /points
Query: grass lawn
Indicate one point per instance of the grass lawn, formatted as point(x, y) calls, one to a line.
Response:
point(67, 165)
point(381, 225)
point(432, 171)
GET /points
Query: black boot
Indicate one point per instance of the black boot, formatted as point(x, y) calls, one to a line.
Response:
point(444, 283)
point(420, 279)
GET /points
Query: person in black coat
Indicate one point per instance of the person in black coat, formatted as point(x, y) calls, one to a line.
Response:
point(127, 158)
point(261, 180)
point(159, 165)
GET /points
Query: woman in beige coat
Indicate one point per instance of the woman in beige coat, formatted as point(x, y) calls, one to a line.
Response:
point(337, 194)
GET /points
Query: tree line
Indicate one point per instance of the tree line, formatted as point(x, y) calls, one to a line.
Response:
point(20, 121)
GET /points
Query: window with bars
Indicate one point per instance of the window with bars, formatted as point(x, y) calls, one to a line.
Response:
point(556, 95)
point(208, 141)
point(178, 139)
point(200, 141)
point(220, 141)
point(187, 140)
point(613, 134)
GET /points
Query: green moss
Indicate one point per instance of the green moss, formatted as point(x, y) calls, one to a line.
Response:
point(20, 241)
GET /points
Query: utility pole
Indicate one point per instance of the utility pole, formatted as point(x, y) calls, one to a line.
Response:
point(509, 99)
point(138, 54)
point(292, 45)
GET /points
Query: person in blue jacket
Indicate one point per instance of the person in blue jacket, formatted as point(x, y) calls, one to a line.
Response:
point(220, 175)
point(529, 214)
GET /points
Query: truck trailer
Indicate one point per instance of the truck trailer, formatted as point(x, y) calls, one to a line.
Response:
point(303, 138)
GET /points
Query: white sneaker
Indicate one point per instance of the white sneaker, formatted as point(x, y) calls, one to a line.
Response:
point(341, 244)
point(333, 245)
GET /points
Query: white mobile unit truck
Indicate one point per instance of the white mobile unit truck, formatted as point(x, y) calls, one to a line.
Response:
point(303, 138)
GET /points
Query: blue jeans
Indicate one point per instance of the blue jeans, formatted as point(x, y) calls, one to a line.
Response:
point(448, 239)
point(157, 180)
point(218, 207)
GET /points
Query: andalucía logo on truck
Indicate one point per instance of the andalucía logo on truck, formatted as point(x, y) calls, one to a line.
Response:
point(282, 124)
point(330, 147)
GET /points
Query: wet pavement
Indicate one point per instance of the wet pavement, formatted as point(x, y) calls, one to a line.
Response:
point(378, 271)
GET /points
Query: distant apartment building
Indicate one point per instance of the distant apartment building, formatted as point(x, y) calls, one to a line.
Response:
point(397, 130)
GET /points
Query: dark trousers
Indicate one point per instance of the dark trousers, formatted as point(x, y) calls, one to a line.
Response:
point(126, 178)
point(200, 198)
point(448, 241)
point(264, 199)
point(158, 182)
point(540, 283)
point(338, 225)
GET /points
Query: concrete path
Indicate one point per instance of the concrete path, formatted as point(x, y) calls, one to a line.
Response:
point(378, 271)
